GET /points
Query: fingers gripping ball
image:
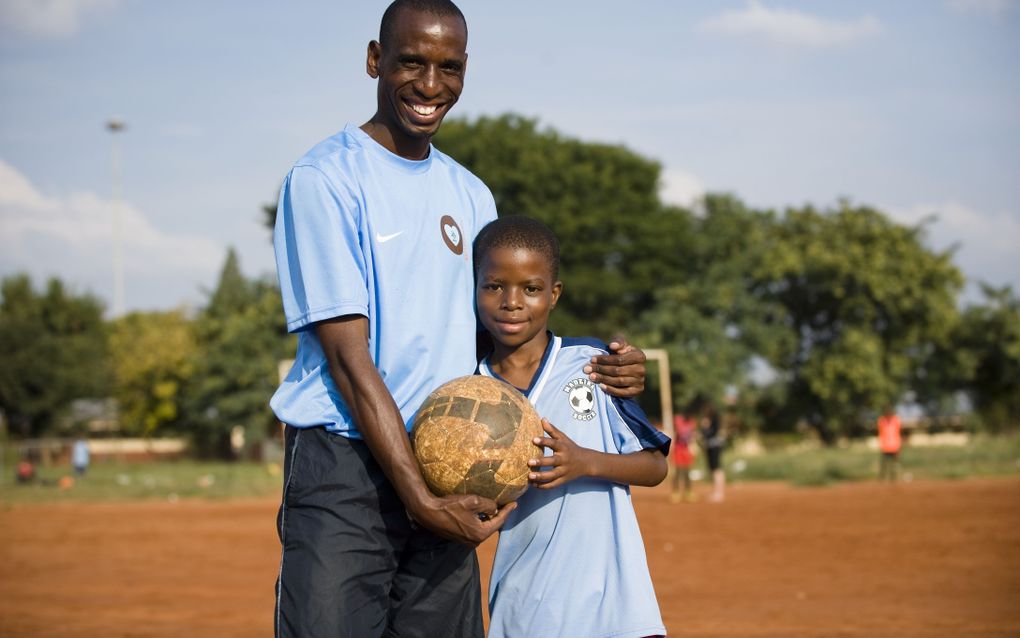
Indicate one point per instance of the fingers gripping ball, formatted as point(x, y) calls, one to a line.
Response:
point(473, 436)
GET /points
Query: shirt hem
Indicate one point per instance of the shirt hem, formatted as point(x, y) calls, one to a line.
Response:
point(640, 632)
point(339, 310)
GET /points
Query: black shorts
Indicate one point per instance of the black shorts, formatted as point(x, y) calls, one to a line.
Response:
point(714, 455)
point(352, 563)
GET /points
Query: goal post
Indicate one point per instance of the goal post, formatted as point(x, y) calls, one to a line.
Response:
point(661, 358)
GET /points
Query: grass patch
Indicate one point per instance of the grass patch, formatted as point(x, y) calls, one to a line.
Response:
point(984, 456)
point(167, 480)
point(171, 480)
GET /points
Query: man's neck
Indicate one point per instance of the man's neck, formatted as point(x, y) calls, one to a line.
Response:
point(412, 148)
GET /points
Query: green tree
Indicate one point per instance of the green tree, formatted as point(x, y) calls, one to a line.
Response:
point(707, 317)
point(618, 240)
point(240, 338)
point(990, 335)
point(152, 354)
point(863, 299)
point(53, 346)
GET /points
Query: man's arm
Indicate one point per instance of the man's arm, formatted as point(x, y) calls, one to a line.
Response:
point(345, 343)
point(621, 374)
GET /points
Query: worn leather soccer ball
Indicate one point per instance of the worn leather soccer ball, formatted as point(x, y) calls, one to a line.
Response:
point(473, 436)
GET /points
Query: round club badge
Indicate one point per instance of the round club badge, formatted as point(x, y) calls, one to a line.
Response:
point(452, 236)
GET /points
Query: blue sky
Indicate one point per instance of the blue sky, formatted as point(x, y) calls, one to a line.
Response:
point(908, 106)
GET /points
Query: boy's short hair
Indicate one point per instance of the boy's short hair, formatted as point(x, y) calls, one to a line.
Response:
point(518, 231)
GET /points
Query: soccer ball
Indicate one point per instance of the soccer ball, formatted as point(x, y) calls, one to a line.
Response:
point(581, 399)
point(473, 436)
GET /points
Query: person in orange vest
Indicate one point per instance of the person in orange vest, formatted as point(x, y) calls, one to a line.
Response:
point(889, 442)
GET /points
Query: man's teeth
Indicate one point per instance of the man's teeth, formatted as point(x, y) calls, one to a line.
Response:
point(423, 110)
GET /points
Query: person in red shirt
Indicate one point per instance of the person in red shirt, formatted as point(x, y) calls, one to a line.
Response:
point(889, 442)
point(684, 429)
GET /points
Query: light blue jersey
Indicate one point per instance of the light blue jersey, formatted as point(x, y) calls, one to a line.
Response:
point(570, 560)
point(361, 231)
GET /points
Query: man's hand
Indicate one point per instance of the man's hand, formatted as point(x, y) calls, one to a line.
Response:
point(568, 461)
point(621, 374)
point(345, 343)
point(463, 518)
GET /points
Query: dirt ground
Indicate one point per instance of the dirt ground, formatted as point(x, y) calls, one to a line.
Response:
point(918, 559)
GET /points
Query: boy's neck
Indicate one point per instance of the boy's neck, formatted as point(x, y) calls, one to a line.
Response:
point(518, 364)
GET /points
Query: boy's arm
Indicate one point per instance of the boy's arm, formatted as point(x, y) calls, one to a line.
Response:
point(570, 461)
point(345, 343)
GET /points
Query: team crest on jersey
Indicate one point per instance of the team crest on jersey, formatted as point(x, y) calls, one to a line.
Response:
point(452, 235)
point(581, 395)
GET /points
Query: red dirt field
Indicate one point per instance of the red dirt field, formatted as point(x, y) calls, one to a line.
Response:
point(919, 559)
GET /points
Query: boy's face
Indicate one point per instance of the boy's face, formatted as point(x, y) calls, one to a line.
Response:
point(515, 294)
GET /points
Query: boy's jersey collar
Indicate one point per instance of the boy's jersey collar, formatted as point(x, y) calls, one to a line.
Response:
point(545, 366)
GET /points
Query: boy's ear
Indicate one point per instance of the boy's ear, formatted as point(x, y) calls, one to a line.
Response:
point(557, 289)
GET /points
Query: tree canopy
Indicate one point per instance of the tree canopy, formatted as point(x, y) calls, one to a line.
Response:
point(53, 349)
point(240, 338)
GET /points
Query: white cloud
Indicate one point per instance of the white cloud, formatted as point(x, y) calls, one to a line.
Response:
point(791, 28)
point(988, 244)
point(49, 17)
point(993, 8)
point(71, 237)
point(681, 188)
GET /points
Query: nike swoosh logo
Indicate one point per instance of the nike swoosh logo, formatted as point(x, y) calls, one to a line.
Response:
point(385, 238)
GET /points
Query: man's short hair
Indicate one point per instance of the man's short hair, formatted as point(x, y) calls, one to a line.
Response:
point(440, 8)
point(518, 231)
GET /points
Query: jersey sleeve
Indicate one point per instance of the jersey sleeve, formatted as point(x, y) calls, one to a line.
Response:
point(487, 210)
point(319, 258)
point(631, 428)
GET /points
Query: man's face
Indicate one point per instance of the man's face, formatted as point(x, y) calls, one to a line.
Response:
point(421, 74)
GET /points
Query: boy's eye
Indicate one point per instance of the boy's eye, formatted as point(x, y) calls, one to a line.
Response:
point(531, 290)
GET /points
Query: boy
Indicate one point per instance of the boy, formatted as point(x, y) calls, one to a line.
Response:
point(570, 560)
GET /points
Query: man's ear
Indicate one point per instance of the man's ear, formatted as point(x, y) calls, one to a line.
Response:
point(372, 59)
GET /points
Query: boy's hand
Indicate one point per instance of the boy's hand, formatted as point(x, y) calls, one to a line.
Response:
point(621, 374)
point(568, 461)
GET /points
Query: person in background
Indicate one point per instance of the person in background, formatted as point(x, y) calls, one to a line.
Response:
point(80, 456)
point(714, 441)
point(889, 442)
point(684, 429)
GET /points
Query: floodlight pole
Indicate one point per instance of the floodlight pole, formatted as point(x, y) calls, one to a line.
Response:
point(115, 126)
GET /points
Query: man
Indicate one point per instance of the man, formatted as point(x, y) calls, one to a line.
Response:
point(373, 245)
